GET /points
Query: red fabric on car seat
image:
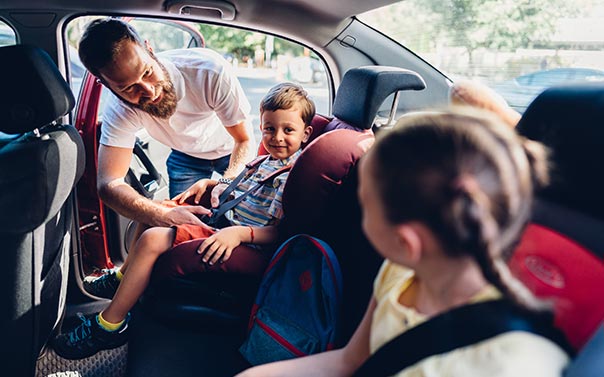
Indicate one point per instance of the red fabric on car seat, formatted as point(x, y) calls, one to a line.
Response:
point(554, 266)
point(318, 173)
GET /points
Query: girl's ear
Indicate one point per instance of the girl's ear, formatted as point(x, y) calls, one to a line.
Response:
point(411, 242)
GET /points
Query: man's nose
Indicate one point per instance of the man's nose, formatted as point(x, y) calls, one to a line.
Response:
point(148, 89)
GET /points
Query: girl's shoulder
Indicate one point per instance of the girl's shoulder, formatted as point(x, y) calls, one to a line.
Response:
point(389, 276)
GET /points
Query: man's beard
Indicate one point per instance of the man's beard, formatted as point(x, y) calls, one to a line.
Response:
point(167, 105)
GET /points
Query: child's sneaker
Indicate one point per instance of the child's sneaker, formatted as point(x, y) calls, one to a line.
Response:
point(103, 286)
point(88, 338)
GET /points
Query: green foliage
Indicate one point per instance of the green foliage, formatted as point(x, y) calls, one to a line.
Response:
point(504, 25)
point(498, 24)
point(242, 43)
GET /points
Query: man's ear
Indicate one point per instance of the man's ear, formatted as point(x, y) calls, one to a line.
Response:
point(307, 133)
point(410, 241)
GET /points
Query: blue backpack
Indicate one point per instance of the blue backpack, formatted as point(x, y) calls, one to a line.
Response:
point(297, 307)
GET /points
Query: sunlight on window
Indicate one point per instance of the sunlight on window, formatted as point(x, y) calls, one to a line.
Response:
point(518, 48)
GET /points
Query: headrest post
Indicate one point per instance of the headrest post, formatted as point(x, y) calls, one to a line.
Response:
point(392, 115)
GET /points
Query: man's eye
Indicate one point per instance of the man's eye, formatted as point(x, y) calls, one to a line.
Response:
point(149, 72)
point(269, 129)
point(289, 130)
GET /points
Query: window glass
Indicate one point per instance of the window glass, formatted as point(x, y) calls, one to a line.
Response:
point(517, 47)
point(7, 35)
point(259, 60)
point(7, 38)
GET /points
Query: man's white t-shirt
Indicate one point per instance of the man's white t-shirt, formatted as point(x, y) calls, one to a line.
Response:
point(210, 98)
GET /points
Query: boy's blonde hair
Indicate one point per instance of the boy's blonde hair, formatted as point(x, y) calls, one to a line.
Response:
point(284, 96)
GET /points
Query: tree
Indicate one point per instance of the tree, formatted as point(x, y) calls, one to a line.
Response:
point(498, 24)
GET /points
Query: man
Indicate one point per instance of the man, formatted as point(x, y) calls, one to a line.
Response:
point(188, 100)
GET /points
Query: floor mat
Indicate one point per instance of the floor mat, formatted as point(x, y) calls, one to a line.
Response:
point(107, 363)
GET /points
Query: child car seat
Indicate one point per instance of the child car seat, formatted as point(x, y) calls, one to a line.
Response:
point(40, 163)
point(319, 198)
point(560, 257)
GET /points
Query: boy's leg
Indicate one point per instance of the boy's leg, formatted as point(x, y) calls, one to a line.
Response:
point(184, 260)
point(152, 243)
point(109, 329)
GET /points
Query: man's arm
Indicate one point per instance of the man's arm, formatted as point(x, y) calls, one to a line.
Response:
point(242, 152)
point(113, 164)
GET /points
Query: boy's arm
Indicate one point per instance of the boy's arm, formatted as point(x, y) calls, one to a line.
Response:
point(263, 235)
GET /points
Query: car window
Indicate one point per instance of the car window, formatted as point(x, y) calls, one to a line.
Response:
point(538, 44)
point(7, 35)
point(259, 60)
point(7, 38)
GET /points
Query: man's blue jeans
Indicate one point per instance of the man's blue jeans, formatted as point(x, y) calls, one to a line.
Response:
point(185, 170)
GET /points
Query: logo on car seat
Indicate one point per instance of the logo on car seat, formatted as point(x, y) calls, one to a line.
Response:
point(305, 280)
point(545, 271)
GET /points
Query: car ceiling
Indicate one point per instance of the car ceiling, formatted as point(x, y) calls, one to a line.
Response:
point(285, 17)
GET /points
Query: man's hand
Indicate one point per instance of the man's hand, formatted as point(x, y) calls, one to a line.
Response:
point(220, 245)
point(197, 189)
point(216, 192)
point(177, 215)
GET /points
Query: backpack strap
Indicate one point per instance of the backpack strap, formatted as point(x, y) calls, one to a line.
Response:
point(226, 205)
point(454, 329)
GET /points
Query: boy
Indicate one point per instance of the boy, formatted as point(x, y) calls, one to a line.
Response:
point(285, 115)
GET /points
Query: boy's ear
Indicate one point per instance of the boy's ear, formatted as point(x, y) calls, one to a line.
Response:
point(307, 133)
point(411, 242)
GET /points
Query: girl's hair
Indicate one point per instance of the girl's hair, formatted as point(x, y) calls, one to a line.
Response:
point(286, 95)
point(467, 176)
point(102, 41)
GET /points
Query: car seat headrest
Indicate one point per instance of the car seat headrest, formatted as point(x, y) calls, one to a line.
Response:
point(35, 93)
point(569, 121)
point(364, 89)
point(318, 173)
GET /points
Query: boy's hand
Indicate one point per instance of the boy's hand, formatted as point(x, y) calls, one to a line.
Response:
point(219, 246)
point(215, 195)
point(197, 189)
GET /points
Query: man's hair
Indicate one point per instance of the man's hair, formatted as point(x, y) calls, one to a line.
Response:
point(284, 96)
point(102, 41)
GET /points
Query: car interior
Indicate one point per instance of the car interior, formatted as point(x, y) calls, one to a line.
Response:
point(41, 164)
point(55, 230)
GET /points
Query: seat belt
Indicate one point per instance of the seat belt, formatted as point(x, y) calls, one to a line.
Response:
point(458, 328)
point(226, 205)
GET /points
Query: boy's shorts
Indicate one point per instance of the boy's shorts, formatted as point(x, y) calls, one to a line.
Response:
point(183, 259)
point(188, 232)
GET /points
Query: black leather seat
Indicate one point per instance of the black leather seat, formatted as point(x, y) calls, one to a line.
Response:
point(40, 163)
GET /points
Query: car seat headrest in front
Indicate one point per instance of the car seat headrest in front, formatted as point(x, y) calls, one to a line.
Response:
point(34, 93)
point(569, 121)
point(364, 89)
point(561, 254)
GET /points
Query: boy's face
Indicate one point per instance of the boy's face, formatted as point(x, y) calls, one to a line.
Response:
point(283, 132)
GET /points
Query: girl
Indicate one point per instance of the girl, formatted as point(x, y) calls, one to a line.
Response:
point(445, 198)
